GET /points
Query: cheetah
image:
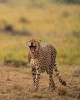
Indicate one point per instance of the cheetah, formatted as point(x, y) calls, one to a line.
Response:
point(43, 59)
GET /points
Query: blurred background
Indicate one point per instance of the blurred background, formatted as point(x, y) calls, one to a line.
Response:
point(52, 21)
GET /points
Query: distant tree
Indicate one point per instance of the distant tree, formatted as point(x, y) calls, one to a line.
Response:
point(72, 1)
point(4, 1)
point(67, 1)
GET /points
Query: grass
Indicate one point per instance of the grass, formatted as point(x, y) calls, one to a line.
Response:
point(13, 49)
point(57, 24)
point(16, 83)
point(62, 91)
point(53, 23)
point(12, 52)
point(42, 20)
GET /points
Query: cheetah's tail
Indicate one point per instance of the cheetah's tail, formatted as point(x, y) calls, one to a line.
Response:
point(59, 77)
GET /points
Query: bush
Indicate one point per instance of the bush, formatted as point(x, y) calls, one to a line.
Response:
point(76, 73)
point(3, 1)
point(8, 28)
point(14, 62)
point(66, 14)
point(24, 20)
point(62, 91)
point(67, 1)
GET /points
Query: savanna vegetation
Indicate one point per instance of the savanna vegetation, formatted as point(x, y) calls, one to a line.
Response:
point(52, 21)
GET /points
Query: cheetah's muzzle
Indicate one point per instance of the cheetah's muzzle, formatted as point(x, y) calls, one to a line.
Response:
point(32, 47)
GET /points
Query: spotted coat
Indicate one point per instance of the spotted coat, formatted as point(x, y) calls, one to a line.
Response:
point(43, 60)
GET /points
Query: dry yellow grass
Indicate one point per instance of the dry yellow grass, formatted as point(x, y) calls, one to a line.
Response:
point(55, 18)
point(16, 84)
point(55, 24)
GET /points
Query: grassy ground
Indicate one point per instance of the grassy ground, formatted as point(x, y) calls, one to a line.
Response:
point(16, 84)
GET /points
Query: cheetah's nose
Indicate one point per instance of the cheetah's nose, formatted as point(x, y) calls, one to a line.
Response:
point(31, 44)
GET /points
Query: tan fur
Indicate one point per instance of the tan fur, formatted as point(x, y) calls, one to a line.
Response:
point(44, 59)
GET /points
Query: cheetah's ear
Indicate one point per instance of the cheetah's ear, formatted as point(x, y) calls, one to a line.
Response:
point(40, 41)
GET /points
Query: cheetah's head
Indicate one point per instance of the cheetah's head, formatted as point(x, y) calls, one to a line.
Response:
point(34, 45)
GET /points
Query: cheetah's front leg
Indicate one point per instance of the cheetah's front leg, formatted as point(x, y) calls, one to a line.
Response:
point(34, 74)
point(37, 78)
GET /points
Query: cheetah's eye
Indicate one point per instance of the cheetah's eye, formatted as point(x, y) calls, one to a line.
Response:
point(29, 44)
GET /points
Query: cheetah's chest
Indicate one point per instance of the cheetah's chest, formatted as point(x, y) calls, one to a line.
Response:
point(35, 63)
point(43, 60)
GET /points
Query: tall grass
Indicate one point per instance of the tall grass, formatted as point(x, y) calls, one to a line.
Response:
point(13, 49)
point(55, 24)
point(54, 18)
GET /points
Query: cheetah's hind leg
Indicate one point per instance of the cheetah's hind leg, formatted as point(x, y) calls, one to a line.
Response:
point(51, 83)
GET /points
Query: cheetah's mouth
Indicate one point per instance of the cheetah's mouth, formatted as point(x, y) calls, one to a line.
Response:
point(32, 48)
